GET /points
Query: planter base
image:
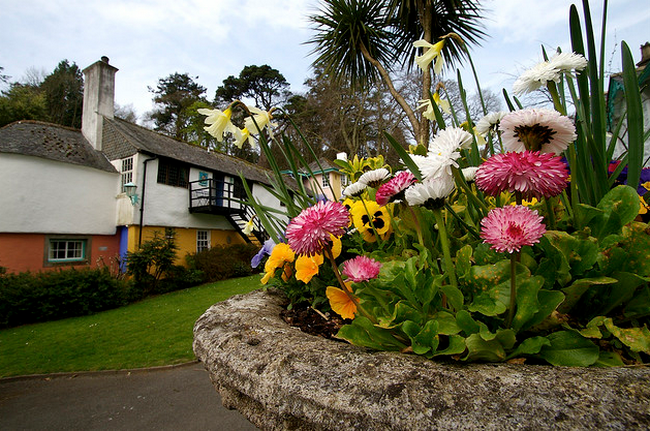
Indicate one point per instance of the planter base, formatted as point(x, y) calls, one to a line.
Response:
point(281, 378)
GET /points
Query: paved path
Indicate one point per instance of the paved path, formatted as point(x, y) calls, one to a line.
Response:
point(178, 398)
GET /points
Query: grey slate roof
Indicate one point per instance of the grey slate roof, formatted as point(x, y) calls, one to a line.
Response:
point(327, 165)
point(122, 139)
point(53, 142)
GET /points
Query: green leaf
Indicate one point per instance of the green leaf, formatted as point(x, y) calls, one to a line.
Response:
point(575, 291)
point(464, 261)
point(527, 302)
point(637, 339)
point(422, 339)
point(548, 303)
point(623, 201)
point(466, 323)
point(487, 304)
point(456, 346)
point(639, 305)
point(530, 346)
point(634, 116)
point(569, 349)
point(481, 350)
point(454, 296)
point(447, 324)
point(609, 359)
point(363, 333)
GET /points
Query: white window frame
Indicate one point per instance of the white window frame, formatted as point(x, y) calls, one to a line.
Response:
point(127, 171)
point(73, 250)
point(325, 180)
point(202, 240)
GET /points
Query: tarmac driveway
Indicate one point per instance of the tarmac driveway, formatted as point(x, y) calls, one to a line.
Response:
point(176, 398)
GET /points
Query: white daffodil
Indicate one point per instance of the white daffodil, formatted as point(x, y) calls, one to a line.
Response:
point(218, 122)
point(249, 227)
point(432, 53)
point(242, 136)
point(258, 121)
point(428, 112)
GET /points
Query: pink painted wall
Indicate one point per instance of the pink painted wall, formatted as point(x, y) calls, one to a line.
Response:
point(27, 252)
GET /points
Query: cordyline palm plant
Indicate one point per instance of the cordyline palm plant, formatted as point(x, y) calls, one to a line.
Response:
point(362, 41)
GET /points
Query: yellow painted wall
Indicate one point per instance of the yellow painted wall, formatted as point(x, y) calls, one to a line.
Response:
point(185, 239)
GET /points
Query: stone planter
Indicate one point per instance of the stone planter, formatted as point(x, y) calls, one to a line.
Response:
point(281, 378)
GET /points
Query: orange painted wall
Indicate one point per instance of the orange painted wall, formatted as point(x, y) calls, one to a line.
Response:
point(26, 252)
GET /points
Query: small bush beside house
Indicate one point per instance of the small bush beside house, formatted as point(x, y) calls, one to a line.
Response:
point(223, 262)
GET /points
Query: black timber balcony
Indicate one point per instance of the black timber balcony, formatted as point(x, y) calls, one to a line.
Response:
point(218, 197)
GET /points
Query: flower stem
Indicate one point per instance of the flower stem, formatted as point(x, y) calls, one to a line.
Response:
point(513, 288)
point(418, 228)
point(444, 242)
point(328, 252)
point(551, 212)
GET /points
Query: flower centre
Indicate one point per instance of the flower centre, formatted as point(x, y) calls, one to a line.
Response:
point(514, 231)
point(534, 136)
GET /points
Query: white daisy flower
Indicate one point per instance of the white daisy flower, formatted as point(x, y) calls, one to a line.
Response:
point(489, 123)
point(534, 78)
point(567, 62)
point(375, 177)
point(432, 191)
point(354, 189)
point(434, 165)
point(469, 173)
point(540, 129)
point(449, 140)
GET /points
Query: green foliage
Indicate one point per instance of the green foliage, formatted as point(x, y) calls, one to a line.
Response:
point(64, 92)
point(173, 96)
point(38, 297)
point(267, 86)
point(152, 261)
point(223, 261)
point(22, 102)
point(57, 99)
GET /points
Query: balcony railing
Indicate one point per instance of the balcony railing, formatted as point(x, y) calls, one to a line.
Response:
point(214, 196)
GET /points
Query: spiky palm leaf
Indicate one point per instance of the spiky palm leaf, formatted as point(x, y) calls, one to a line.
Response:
point(342, 28)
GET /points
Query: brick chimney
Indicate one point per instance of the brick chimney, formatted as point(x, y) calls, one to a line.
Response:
point(99, 98)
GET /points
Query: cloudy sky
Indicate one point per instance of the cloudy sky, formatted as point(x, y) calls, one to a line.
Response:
point(212, 39)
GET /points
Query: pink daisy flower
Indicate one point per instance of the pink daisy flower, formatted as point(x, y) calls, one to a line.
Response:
point(510, 228)
point(361, 268)
point(538, 129)
point(394, 188)
point(309, 232)
point(530, 173)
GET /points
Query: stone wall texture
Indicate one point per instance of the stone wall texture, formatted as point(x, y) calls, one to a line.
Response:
point(281, 378)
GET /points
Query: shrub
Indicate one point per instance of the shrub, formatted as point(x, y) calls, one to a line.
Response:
point(152, 261)
point(36, 297)
point(222, 262)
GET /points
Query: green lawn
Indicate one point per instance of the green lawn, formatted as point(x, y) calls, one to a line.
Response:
point(156, 331)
